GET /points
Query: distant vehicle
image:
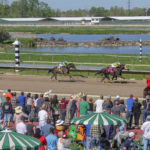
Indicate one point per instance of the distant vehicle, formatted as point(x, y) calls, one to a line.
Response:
point(95, 20)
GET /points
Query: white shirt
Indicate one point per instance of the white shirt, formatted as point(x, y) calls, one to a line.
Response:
point(146, 128)
point(99, 105)
point(42, 115)
point(21, 128)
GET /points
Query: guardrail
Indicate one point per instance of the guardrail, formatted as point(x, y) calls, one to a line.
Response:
point(75, 70)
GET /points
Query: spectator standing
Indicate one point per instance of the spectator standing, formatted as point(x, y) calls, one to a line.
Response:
point(77, 106)
point(129, 116)
point(108, 105)
point(46, 128)
point(14, 101)
point(40, 102)
point(29, 102)
point(22, 101)
point(90, 105)
point(55, 106)
point(99, 104)
point(51, 140)
point(63, 105)
point(146, 136)
point(41, 139)
point(83, 106)
point(7, 110)
point(116, 99)
point(60, 142)
point(116, 109)
point(42, 115)
point(87, 138)
point(8, 94)
point(136, 112)
point(146, 105)
point(122, 109)
point(21, 127)
point(73, 109)
point(30, 128)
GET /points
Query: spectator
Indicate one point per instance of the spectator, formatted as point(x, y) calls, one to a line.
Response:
point(104, 143)
point(46, 128)
point(63, 105)
point(29, 103)
point(99, 104)
point(3, 98)
point(7, 110)
point(83, 106)
point(87, 138)
point(19, 115)
point(77, 107)
point(42, 115)
point(21, 127)
point(35, 99)
point(136, 112)
point(90, 105)
point(122, 109)
point(55, 106)
point(40, 102)
point(30, 128)
point(8, 94)
point(73, 109)
point(146, 136)
point(129, 143)
point(108, 104)
point(60, 142)
point(41, 139)
point(116, 99)
point(22, 101)
point(122, 135)
point(146, 111)
point(51, 140)
point(14, 101)
point(129, 116)
point(116, 109)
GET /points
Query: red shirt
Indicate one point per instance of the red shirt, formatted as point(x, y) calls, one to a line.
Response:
point(148, 82)
point(63, 104)
point(43, 142)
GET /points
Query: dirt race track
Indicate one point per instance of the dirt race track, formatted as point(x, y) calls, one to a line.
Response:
point(90, 86)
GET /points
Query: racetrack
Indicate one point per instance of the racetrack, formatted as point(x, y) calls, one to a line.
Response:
point(90, 86)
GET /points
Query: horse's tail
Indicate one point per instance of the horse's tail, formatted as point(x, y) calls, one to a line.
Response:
point(99, 72)
point(50, 70)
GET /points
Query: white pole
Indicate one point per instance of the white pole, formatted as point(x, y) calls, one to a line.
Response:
point(17, 55)
point(141, 50)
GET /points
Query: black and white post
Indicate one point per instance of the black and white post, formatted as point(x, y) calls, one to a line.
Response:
point(141, 50)
point(17, 55)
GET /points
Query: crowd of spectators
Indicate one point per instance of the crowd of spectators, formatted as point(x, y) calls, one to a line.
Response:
point(24, 110)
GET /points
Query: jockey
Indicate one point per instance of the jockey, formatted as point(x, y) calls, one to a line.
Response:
point(62, 64)
point(116, 64)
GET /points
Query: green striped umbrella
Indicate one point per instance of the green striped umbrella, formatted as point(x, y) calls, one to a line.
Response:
point(99, 119)
point(15, 141)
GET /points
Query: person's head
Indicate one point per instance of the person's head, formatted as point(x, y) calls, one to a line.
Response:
point(84, 98)
point(51, 131)
point(37, 133)
point(90, 100)
point(116, 103)
point(148, 118)
point(29, 95)
point(46, 99)
point(14, 94)
point(43, 107)
point(121, 128)
point(101, 97)
point(136, 100)
point(147, 98)
point(108, 97)
point(36, 96)
point(7, 99)
point(41, 95)
point(9, 90)
point(18, 110)
point(122, 101)
point(60, 134)
point(63, 98)
point(22, 93)
point(131, 135)
point(131, 95)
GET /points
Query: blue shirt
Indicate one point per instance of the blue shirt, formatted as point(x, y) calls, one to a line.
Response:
point(88, 127)
point(130, 102)
point(129, 145)
point(45, 129)
point(51, 142)
point(21, 100)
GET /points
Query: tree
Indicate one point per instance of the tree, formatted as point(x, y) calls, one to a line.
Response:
point(4, 35)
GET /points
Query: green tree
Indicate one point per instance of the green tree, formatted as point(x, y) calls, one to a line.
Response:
point(4, 35)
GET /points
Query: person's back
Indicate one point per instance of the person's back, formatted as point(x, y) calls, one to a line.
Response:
point(45, 129)
point(99, 105)
point(51, 140)
point(129, 103)
point(21, 100)
point(83, 106)
point(8, 95)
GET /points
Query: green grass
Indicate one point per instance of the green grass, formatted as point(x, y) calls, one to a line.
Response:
point(77, 30)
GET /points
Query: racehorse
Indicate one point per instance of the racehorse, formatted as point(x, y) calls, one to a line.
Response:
point(63, 70)
point(117, 72)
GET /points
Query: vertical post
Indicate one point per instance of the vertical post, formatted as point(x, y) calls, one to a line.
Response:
point(17, 56)
point(140, 45)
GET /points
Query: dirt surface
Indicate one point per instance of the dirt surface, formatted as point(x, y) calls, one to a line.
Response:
point(90, 86)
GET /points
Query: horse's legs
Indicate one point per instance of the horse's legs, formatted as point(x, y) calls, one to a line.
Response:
point(102, 80)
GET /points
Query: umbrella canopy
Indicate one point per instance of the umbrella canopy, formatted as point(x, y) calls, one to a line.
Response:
point(99, 119)
point(16, 141)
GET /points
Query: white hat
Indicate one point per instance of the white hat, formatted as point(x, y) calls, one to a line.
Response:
point(47, 94)
point(18, 109)
point(4, 94)
point(59, 122)
point(117, 97)
point(131, 134)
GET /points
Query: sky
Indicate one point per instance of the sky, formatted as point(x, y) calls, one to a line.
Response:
point(87, 4)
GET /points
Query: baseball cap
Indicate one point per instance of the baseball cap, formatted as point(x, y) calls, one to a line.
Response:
point(117, 97)
point(131, 134)
point(121, 128)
